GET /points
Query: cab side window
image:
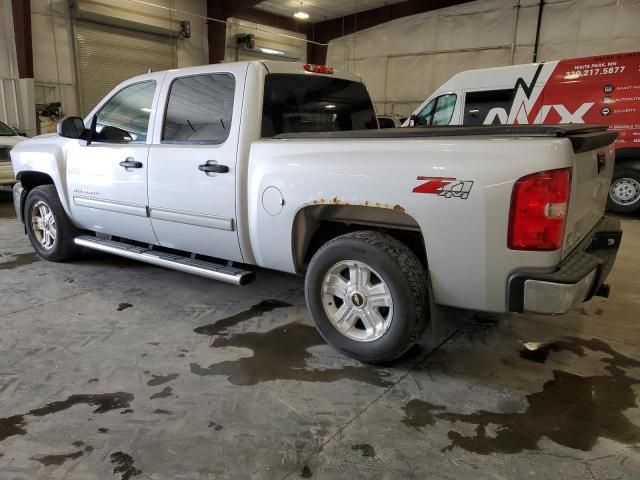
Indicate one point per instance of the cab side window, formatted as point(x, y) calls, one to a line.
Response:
point(125, 116)
point(478, 104)
point(199, 109)
point(438, 111)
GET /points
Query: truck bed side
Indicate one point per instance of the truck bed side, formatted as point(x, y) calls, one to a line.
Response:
point(465, 236)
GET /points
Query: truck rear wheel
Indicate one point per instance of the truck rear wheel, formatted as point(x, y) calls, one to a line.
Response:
point(49, 229)
point(624, 193)
point(367, 293)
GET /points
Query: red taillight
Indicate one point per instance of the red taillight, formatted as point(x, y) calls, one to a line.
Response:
point(539, 210)
point(310, 67)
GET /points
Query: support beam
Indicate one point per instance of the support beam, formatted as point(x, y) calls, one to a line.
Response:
point(216, 31)
point(21, 11)
point(316, 54)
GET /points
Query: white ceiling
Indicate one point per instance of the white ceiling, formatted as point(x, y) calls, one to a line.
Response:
point(320, 10)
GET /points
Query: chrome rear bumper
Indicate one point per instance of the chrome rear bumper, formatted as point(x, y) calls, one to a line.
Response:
point(577, 279)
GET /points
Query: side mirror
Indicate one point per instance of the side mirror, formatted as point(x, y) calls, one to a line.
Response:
point(72, 127)
point(412, 121)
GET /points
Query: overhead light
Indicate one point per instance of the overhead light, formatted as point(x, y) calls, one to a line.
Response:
point(248, 42)
point(330, 106)
point(271, 51)
point(301, 15)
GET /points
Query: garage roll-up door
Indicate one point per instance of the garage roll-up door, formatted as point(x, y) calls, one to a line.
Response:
point(107, 55)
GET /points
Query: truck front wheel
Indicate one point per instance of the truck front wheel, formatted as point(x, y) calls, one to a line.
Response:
point(624, 193)
point(367, 293)
point(49, 229)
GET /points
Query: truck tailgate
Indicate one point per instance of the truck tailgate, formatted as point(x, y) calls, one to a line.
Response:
point(592, 168)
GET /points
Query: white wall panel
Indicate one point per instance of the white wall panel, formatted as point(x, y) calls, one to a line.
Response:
point(376, 75)
point(463, 29)
point(409, 77)
point(412, 48)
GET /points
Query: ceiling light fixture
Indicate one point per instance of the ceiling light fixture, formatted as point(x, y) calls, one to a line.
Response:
point(301, 14)
point(271, 51)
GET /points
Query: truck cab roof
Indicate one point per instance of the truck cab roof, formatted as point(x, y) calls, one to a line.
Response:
point(272, 66)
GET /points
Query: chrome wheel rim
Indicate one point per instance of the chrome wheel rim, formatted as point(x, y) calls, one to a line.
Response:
point(625, 191)
point(357, 300)
point(43, 225)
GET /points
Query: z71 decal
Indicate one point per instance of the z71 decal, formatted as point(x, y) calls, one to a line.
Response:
point(446, 187)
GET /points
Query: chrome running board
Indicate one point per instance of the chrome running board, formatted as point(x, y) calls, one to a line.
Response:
point(211, 270)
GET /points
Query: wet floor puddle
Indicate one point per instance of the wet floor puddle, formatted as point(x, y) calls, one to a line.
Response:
point(104, 402)
point(19, 260)
point(124, 466)
point(59, 459)
point(278, 354)
point(571, 410)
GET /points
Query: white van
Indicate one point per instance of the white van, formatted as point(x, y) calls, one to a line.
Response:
point(603, 89)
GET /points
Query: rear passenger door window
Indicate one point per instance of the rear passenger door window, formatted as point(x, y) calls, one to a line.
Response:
point(438, 111)
point(199, 109)
point(478, 104)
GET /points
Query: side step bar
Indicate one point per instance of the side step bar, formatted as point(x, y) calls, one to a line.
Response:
point(211, 270)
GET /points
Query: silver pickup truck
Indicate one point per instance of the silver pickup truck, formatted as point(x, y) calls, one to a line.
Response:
point(212, 169)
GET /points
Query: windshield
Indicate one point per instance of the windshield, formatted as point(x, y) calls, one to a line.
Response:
point(6, 131)
point(312, 103)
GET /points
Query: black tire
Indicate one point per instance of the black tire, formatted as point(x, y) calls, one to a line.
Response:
point(405, 277)
point(631, 179)
point(63, 247)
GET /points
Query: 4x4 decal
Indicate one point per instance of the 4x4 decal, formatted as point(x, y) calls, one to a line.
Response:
point(446, 187)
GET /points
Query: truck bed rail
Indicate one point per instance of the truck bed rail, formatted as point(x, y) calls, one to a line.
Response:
point(583, 137)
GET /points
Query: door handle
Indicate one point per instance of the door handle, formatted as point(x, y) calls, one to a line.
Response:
point(213, 168)
point(131, 163)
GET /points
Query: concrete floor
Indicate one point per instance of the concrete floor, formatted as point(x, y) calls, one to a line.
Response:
point(115, 369)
